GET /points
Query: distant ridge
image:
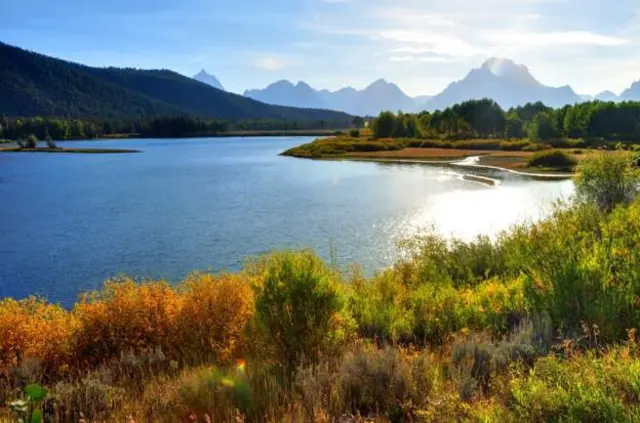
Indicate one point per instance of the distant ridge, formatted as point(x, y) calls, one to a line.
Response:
point(380, 95)
point(33, 84)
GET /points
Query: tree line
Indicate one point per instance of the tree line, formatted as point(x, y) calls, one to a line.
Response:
point(535, 121)
point(180, 126)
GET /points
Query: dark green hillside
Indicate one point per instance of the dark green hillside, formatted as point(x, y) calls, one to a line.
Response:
point(32, 84)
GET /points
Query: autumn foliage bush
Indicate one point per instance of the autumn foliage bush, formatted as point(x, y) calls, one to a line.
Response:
point(201, 319)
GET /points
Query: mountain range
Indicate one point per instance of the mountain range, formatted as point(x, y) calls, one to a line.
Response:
point(380, 95)
point(502, 80)
point(32, 84)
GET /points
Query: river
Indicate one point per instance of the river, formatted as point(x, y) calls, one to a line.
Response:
point(68, 222)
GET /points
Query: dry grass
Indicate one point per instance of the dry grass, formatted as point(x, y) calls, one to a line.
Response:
point(514, 160)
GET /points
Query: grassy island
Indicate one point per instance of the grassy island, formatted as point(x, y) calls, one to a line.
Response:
point(539, 325)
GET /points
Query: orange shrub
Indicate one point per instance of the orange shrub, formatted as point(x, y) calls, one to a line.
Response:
point(32, 328)
point(126, 316)
point(213, 316)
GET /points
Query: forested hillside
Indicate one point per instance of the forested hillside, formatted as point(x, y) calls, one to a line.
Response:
point(32, 84)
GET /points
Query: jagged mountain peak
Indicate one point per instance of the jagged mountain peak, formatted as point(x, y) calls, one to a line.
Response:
point(209, 79)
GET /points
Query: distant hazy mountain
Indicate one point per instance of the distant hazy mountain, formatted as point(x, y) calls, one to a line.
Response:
point(607, 96)
point(208, 79)
point(284, 93)
point(380, 95)
point(632, 93)
point(505, 82)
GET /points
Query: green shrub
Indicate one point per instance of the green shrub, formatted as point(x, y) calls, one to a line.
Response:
point(552, 159)
point(514, 145)
point(460, 263)
point(584, 389)
point(32, 141)
point(300, 308)
point(608, 179)
point(213, 392)
point(534, 146)
point(582, 268)
point(354, 133)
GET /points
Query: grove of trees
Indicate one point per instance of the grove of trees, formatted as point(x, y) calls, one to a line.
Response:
point(535, 121)
point(179, 126)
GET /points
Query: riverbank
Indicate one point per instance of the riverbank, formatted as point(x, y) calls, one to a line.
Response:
point(17, 149)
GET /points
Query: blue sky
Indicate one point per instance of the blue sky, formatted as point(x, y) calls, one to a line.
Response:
point(422, 45)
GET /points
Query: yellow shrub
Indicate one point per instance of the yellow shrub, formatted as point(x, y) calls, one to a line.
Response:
point(126, 316)
point(213, 316)
point(32, 328)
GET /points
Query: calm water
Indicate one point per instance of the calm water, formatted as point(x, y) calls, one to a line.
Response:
point(68, 222)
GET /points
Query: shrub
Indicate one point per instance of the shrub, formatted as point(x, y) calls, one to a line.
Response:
point(582, 268)
point(354, 133)
point(608, 179)
point(90, 396)
point(479, 360)
point(300, 308)
point(50, 142)
point(514, 145)
point(32, 141)
point(208, 391)
point(213, 316)
point(552, 159)
point(383, 382)
point(33, 329)
point(585, 389)
point(126, 316)
point(534, 146)
point(461, 263)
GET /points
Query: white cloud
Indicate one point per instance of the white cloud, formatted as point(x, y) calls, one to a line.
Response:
point(431, 41)
point(549, 39)
point(421, 59)
point(273, 63)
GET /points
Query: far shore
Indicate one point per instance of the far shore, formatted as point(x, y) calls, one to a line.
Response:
point(238, 133)
point(67, 150)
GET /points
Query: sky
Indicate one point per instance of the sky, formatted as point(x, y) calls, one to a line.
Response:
point(421, 45)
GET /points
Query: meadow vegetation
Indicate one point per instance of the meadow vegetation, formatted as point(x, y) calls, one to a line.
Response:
point(537, 325)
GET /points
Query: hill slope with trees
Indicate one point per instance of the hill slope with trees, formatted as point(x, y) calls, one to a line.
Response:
point(32, 84)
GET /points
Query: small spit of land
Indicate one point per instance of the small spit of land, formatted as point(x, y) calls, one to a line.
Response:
point(516, 155)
